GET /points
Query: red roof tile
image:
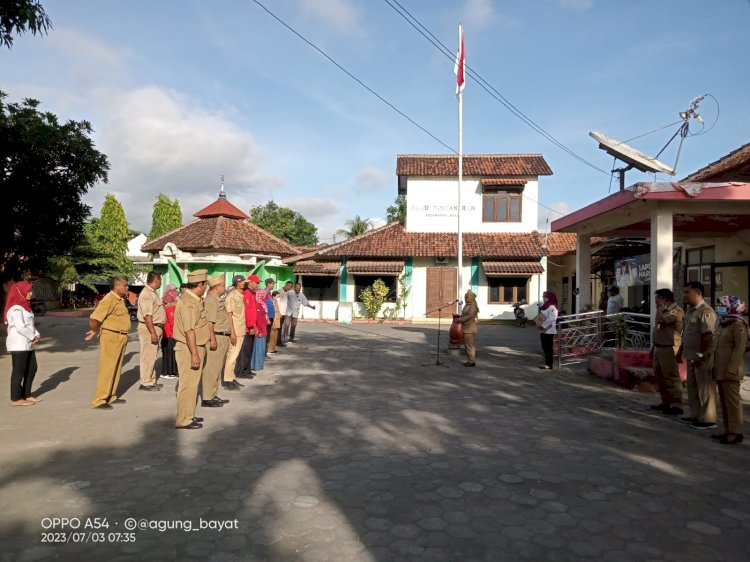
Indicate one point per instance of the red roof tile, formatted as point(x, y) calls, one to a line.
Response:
point(392, 241)
point(735, 166)
point(311, 267)
point(473, 165)
point(222, 233)
point(221, 208)
point(375, 267)
point(512, 267)
point(564, 243)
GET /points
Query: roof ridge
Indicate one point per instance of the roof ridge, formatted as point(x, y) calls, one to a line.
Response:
point(358, 237)
point(473, 155)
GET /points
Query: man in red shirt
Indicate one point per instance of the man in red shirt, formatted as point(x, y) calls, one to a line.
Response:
point(243, 370)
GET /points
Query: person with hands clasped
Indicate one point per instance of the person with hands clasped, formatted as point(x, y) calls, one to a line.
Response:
point(22, 337)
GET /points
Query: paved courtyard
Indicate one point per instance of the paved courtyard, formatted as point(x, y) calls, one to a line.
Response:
point(353, 445)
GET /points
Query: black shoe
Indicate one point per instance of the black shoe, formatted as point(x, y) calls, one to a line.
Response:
point(688, 421)
point(735, 439)
point(659, 407)
point(119, 401)
point(545, 367)
point(672, 411)
point(217, 399)
point(245, 375)
point(468, 364)
point(234, 385)
point(197, 419)
point(103, 407)
point(719, 436)
point(149, 388)
point(702, 425)
point(238, 384)
point(211, 404)
point(191, 425)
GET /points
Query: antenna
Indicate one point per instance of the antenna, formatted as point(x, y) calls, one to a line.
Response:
point(641, 161)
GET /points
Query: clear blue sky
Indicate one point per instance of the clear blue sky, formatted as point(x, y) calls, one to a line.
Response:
point(180, 92)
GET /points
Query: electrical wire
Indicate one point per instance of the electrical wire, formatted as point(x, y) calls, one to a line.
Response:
point(718, 110)
point(484, 84)
point(352, 76)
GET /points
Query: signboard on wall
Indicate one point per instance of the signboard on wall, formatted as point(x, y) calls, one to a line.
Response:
point(635, 271)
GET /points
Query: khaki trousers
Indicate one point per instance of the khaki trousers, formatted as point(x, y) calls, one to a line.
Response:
point(701, 392)
point(215, 361)
point(731, 406)
point(187, 394)
point(470, 342)
point(111, 353)
point(232, 354)
point(667, 376)
point(272, 338)
point(148, 354)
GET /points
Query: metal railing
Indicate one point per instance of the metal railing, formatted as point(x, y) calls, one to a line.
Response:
point(587, 333)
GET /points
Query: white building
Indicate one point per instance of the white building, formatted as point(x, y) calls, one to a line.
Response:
point(503, 253)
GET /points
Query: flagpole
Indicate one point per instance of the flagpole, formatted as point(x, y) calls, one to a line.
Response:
point(461, 78)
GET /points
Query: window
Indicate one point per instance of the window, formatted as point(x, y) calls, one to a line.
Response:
point(501, 206)
point(507, 290)
point(320, 287)
point(361, 282)
point(698, 265)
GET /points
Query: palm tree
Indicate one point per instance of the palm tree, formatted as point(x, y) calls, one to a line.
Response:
point(355, 227)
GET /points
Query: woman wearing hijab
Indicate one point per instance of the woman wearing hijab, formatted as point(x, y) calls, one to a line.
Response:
point(468, 321)
point(168, 359)
point(22, 337)
point(729, 366)
point(547, 325)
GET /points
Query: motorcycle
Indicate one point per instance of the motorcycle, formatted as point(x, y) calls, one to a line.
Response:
point(520, 314)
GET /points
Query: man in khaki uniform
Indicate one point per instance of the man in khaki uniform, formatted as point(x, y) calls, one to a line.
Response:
point(191, 335)
point(151, 319)
point(112, 321)
point(697, 345)
point(235, 307)
point(220, 332)
point(665, 342)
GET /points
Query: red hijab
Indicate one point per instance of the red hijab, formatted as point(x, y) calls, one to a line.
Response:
point(551, 300)
point(17, 296)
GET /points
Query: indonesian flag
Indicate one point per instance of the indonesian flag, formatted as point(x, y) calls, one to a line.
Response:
point(458, 70)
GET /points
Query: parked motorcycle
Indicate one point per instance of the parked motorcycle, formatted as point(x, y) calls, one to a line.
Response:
point(520, 314)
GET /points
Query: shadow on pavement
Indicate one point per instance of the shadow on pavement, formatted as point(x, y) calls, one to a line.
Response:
point(54, 380)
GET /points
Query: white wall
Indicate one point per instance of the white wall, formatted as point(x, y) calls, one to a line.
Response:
point(431, 206)
point(324, 310)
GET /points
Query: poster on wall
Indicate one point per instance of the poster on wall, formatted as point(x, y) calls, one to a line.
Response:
point(634, 271)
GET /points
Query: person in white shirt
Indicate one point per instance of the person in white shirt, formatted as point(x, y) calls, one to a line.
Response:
point(615, 301)
point(548, 328)
point(22, 337)
point(283, 300)
point(295, 301)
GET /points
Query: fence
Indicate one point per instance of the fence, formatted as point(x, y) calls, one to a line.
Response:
point(587, 333)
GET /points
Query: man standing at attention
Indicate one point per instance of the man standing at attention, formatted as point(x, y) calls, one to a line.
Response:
point(244, 370)
point(283, 298)
point(111, 319)
point(235, 306)
point(151, 318)
point(191, 335)
point(666, 342)
point(697, 345)
point(218, 343)
point(296, 300)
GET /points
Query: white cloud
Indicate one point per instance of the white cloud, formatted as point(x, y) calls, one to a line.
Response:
point(560, 209)
point(578, 5)
point(339, 14)
point(479, 13)
point(370, 178)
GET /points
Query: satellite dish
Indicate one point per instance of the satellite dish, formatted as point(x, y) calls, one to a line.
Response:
point(634, 158)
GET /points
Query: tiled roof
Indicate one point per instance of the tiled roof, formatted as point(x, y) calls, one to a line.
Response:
point(308, 249)
point(221, 208)
point(473, 165)
point(503, 182)
point(375, 267)
point(221, 233)
point(512, 267)
point(392, 241)
point(310, 267)
point(735, 166)
point(561, 243)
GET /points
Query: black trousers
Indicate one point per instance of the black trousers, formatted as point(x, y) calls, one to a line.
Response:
point(244, 360)
point(168, 359)
point(22, 376)
point(292, 327)
point(548, 343)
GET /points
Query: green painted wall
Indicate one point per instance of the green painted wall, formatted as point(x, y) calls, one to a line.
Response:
point(342, 281)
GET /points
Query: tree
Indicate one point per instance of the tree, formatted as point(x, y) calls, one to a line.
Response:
point(166, 216)
point(397, 211)
point(20, 16)
point(112, 234)
point(285, 223)
point(355, 227)
point(373, 298)
point(45, 169)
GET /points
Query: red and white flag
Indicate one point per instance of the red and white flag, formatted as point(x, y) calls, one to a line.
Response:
point(458, 70)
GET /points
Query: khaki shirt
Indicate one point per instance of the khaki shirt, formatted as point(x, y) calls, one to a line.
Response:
point(235, 304)
point(149, 304)
point(112, 313)
point(468, 319)
point(668, 330)
point(190, 314)
point(216, 313)
point(729, 352)
point(699, 320)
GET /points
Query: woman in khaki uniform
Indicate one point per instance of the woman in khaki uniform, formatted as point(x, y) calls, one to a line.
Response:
point(729, 366)
point(468, 321)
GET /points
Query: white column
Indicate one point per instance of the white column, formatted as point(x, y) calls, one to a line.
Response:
point(661, 254)
point(583, 271)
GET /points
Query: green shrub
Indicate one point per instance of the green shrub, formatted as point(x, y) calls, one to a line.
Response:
point(373, 297)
